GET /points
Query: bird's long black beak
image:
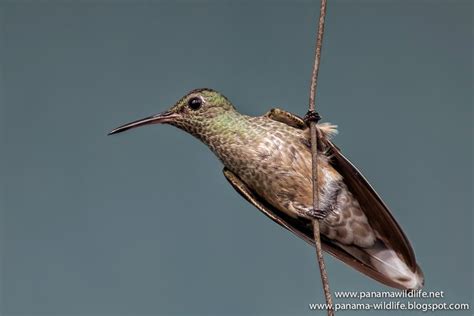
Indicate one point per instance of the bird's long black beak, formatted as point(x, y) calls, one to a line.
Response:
point(164, 117)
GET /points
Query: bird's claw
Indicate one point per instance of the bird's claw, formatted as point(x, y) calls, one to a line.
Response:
point(311, 116)
point(318, 214)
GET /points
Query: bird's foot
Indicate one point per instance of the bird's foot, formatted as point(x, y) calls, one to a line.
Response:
point(311, 116)
point(318, 214)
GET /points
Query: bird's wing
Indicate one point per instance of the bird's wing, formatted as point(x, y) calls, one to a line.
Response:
point(377, 212)
point(392, 250)
point(303, 229)
point(392, 241)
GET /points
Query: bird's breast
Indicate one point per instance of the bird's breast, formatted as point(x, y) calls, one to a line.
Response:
point(276, 165)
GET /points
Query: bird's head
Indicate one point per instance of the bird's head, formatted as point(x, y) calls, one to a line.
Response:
point(198, 108)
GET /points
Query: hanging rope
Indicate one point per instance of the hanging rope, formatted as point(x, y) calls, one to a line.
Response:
point(312, 117)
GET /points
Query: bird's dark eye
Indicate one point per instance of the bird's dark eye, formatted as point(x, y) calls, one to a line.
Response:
point(195, 103)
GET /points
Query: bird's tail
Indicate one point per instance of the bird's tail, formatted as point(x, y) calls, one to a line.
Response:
point(386, 265)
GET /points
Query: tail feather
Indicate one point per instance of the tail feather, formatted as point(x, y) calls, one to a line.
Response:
point(386, 261)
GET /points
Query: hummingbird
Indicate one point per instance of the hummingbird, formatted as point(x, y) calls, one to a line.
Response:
point(267, 160)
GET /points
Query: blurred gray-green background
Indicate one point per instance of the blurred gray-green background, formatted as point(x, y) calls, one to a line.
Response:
point(144, 223)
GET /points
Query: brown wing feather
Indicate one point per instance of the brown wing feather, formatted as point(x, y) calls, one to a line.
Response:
point(375, 209)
